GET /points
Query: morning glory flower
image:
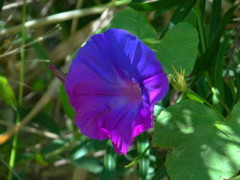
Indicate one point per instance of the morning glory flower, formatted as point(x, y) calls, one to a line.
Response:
point(113, 84)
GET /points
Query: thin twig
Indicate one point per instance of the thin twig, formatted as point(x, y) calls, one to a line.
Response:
point(47, 7)
point(47, 35)
point(62, 17)
point(17, 4)
point(14, 173)
point(54, 85)
point(33, 130)
point(70, 45)
point(75, 20)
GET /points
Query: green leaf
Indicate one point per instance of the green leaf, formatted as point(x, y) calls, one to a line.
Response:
point(134, 22)
point(219, 66)
point(215, 18)
point(6, 92)
point(181, 12)
point(90, 164)
point(66, 104)
point(178, 48)
point(53, 146)
point(144, 162)
point(1, 4)
point(200, 13)
point(87, 146)
point(109, 163)
point(205, 145)
point(237, 98)
point(191, 18)
point(42, 119)
point(154, 5)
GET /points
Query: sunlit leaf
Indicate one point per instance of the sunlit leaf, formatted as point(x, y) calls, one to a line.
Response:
point(6, 92)
point(205, 145)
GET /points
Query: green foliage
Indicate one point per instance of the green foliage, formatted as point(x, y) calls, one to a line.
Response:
point(42, 119)
point(134, 22)
point(215, 18)
point(181, 12)
point(205, 145)
point(1, 4)
point(206, 59)
point(69, 111)
point(218, 69)
point(143, 144)
point(7, 93)
point(148, 5)
point(109, 163)
point(183, 41)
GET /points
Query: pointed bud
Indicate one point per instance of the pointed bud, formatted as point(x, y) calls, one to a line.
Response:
point(178, 81)
point(58, 73)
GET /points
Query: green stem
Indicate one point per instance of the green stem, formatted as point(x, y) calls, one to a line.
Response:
point(138, 158)
point(190, 92)
point(20, 96)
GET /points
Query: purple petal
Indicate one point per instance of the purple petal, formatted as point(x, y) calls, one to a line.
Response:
point(113, 84)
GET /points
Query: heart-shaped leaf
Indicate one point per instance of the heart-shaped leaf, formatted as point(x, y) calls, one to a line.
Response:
point(205, 145)
point(178, 48)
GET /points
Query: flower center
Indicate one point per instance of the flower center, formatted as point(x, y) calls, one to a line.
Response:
point(133, 91)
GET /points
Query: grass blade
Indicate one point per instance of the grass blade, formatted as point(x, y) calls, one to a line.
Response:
point(179, 14)
point(218, 68)
point(237, 97)
point(215, 18)
point(1, 4)
point(7, 93)
point(205, 60)
point(200, 13)
point(181, 11)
